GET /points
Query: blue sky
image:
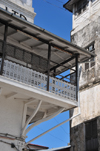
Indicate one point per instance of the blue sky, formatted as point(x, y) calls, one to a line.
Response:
point(53, 17)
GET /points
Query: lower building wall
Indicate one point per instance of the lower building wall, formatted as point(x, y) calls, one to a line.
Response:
point(98, 127)
point(89, 105)
point(90, 110)
point(78, 137)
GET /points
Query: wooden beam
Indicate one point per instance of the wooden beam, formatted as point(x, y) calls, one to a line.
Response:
point(77, 76)
point(31, 116)
point(0, 91)
point(10, 95)
point(12, 33)
point(54, 73)
point(4, 47)
point(1, 25)
point(49, 57)
point(62, 63)
point(36, 45)
point(23, 40)
point(67, 75)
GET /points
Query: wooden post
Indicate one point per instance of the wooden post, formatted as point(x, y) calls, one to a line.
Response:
point(49, 57)
point(77, 78)
point(4, 48)
point(54, 74)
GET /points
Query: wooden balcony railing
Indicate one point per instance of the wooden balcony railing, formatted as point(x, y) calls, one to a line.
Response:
point(36, 79)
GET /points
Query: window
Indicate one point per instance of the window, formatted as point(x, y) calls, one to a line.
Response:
point(91, 62)
point(91, 135)
point(81, 6)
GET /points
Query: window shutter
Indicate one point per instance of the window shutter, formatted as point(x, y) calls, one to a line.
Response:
point(91, 136)
point(86, 66)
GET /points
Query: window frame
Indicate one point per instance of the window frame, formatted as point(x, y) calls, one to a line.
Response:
point(91, 62)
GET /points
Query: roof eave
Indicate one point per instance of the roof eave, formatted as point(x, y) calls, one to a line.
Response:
point(66, 6)
point(69, 5)
point(54, 37)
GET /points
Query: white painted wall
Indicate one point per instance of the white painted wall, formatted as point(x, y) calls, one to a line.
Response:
point(11, 112)
point(9, 117)
point(27, 2)
point(21, 6)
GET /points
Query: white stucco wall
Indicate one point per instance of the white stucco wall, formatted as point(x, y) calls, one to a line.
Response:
point(10, 116)
point(27, 2)
point(23, 7)
point(11, 112)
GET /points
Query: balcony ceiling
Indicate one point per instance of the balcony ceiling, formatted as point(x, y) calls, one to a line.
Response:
point(51, 103)
point(35, 39)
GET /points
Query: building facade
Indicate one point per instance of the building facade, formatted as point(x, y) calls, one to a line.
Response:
point(30, 60)
point(85, 129)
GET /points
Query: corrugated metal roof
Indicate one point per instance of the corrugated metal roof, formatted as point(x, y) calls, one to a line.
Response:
point(36, 40)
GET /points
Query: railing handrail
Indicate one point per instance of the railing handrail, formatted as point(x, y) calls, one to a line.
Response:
point(28, 76)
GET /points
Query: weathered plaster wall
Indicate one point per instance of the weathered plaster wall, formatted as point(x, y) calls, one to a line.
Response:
point(92, 8)
point(84, 37)
point(78, 137)
point(84, 34)
point(89, 104)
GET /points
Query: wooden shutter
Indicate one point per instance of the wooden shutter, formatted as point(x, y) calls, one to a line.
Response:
point(91, 136)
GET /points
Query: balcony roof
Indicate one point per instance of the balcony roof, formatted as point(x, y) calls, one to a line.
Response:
point(35, 39)
point(69, 5)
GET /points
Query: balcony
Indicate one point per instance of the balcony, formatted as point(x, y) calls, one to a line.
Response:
point(33, 78)
point(39, 74)
point(31, 60)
